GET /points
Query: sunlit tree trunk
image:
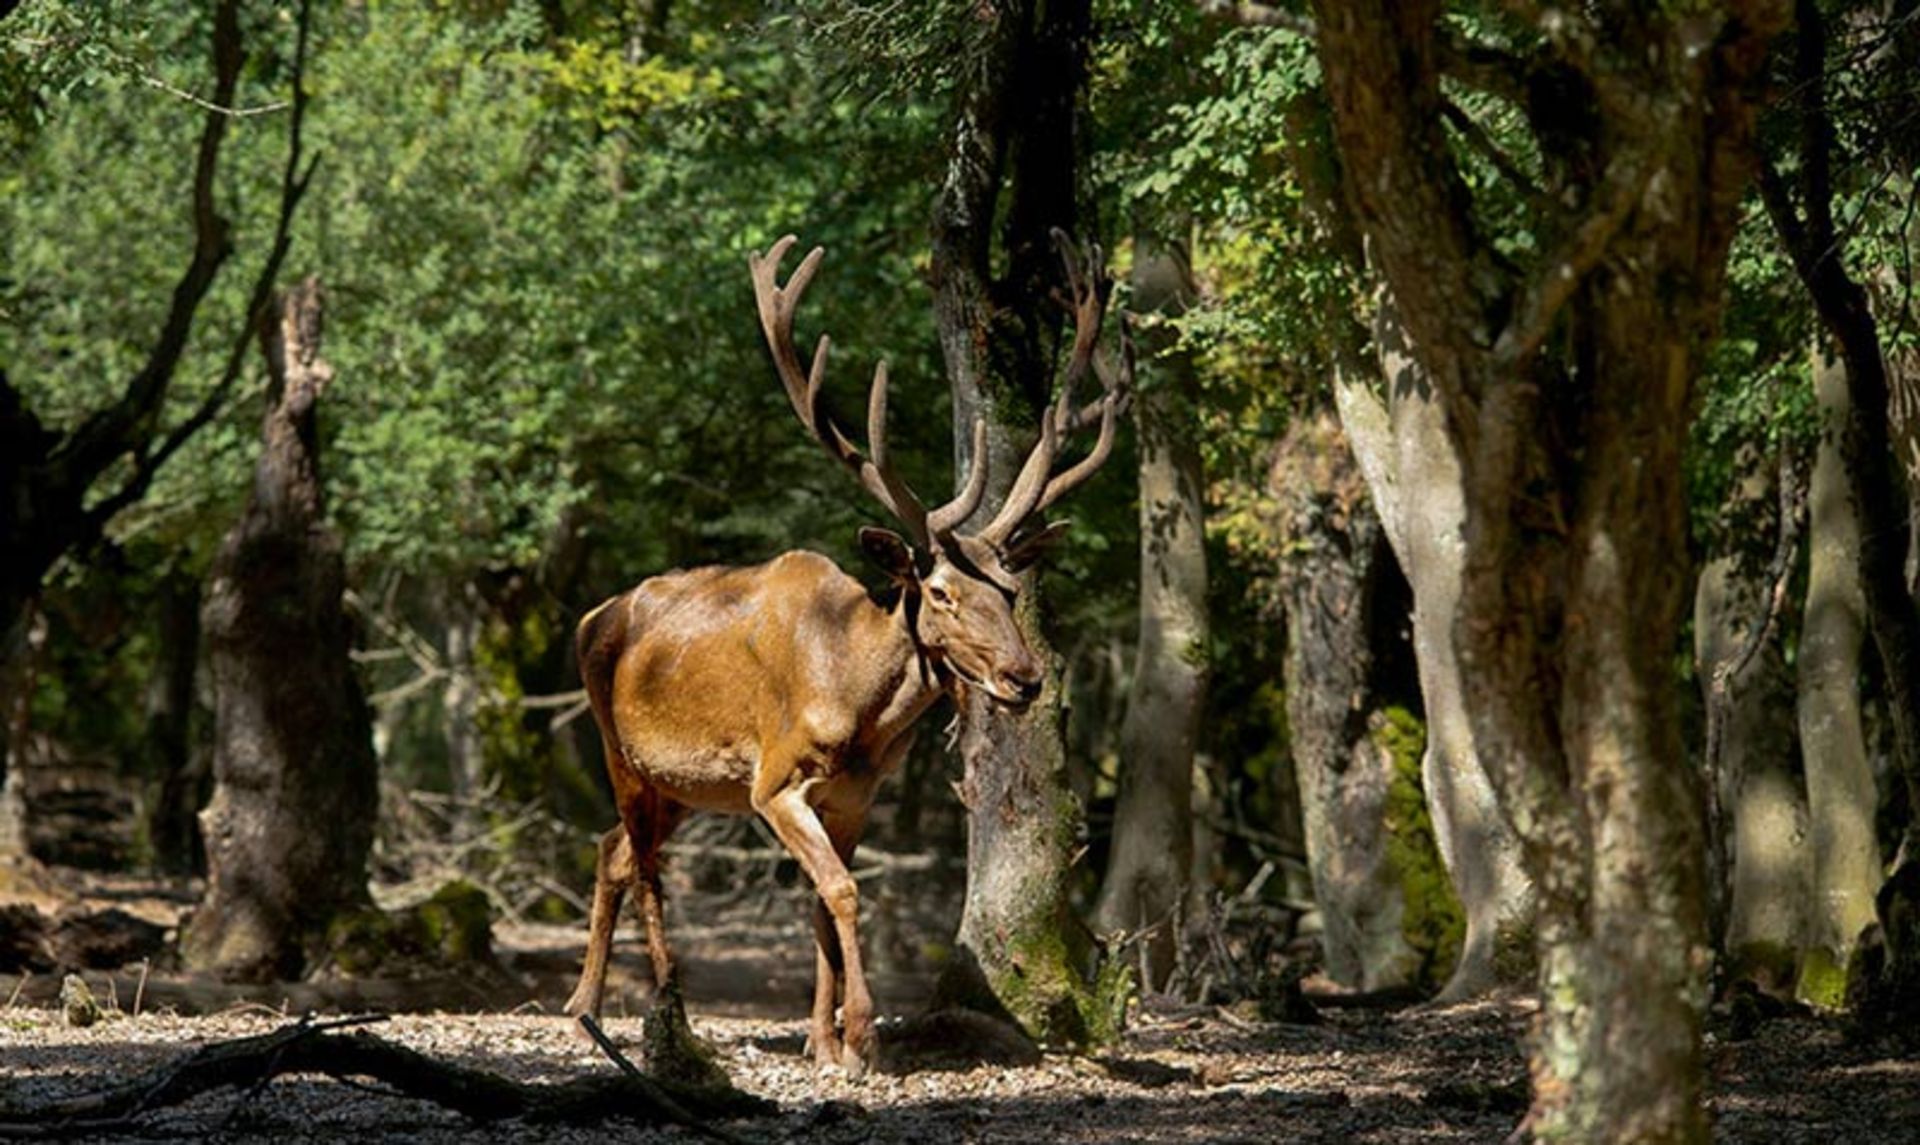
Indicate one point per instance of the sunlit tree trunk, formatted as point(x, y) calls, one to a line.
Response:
point(295, 786)
point(1814, 240)
point(1841, 793)
point(1399, 438)
point(1416, 481)
point(1146, 878)
point(1334, 549)
point(1757, 855)
point(1565, 381)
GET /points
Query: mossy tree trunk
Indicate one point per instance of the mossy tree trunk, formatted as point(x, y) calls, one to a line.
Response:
point(1013, 146)
point(1815, 242)
point(1146, 879)
point(295, 782)
point(1329, 582)
point(1841, 792)
point(1396, 427)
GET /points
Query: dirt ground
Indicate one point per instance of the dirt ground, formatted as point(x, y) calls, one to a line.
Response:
point(1180, 1075)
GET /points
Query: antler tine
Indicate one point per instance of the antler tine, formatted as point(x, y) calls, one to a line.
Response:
point(891, 490)
point(1038, 487)
point(1027, 489)
point(950, 516)
point(805, 385)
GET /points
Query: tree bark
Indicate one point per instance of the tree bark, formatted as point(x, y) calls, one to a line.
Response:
point(291, 822)
point(1335, 548)
point(1565, 380)
point(1813, 240)
point(1019, 948)
point(1756, 853)
point(51, 498)
point(1841, 793)
point(1146, 879)
point(1416, 480)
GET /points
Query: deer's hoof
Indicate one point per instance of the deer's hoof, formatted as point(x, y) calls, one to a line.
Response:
point(825, 1052)
point(856, 1058)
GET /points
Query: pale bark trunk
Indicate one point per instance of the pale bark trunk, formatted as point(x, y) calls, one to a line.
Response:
point(1566, 387)
point(1756, 855)
point(291, 822)
point(1417, 481)
point(1146, 877)
point(1841, 793)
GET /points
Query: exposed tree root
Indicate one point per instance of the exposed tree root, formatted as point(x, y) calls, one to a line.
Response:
point(310, 1047)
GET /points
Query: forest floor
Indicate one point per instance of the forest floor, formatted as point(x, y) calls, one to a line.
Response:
point(1188, 1074)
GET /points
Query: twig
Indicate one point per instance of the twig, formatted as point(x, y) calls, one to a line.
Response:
point(154, 81)
point(25, 977)
point(140, 991)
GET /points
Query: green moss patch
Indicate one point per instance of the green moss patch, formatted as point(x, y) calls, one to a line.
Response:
point(449, 931)
point(1431, 919)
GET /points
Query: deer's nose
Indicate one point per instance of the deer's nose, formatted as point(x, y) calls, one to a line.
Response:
point(1021, 682)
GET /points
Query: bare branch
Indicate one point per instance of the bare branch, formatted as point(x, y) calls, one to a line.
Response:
point(1254, 15)
point(154, 81)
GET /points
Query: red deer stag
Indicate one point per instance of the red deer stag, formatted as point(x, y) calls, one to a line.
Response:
point(789, 690)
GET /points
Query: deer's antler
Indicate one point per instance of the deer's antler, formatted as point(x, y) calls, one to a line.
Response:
point(1038, 486)
point(803, 385)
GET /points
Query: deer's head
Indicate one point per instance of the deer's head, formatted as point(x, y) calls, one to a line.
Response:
point(960, 586)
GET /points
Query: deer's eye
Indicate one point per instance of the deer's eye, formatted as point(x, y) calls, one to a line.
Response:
point(939, 596)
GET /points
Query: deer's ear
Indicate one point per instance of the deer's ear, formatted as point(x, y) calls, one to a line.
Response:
point(1027, 549)
point(890, 551)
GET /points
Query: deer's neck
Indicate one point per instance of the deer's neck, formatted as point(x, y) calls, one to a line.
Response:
point(910, 684)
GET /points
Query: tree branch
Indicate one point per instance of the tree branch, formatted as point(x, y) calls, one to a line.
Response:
point(294, 181)
point(1254, 15)
point(112, 431)
point(1562, 268)
point(310, 1047)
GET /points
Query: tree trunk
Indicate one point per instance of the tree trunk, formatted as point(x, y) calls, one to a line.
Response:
point(1146, 878)
point(172, 829)
point(1841, 793)
point(1814, 241)
point(1019, 947)
point(1356, 843)
point(292, 817)
point(1756, 855)
point(460, 703)
point(1416, 481)
point(1565, 381)
point(24, 647)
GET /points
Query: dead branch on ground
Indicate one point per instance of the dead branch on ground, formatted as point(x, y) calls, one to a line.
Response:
point(309, 1047)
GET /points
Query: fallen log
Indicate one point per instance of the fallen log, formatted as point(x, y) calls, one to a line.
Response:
point(332, 1049)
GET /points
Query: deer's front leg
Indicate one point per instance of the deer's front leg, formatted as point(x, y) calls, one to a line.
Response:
point(788, 810)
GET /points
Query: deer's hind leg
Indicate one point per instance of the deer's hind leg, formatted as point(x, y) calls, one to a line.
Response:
point(613, 873)
point(650, 819)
